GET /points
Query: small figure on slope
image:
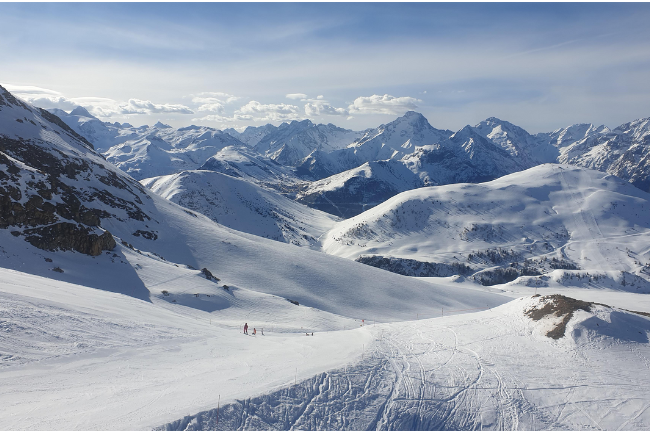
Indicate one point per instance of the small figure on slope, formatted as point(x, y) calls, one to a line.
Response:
point(246, 328)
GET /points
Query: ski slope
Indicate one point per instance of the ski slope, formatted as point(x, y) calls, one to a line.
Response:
point(76, 358)
point(491, 370)
point(116, 362)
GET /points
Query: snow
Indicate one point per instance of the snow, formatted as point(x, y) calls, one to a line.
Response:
point(593, 219)
point(490, 370)
point(138, 338)
point(118, 363)
point(244, 206)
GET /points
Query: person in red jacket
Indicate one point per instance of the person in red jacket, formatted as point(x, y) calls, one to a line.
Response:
point(246, 328)
point(254, 331)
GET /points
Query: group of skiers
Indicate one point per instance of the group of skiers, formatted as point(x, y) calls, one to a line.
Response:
point(254, 330)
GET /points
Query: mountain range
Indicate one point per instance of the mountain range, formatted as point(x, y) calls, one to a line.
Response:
point(453, 283)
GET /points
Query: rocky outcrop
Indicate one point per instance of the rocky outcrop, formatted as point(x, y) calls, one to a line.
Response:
point(67, 236)
point(415, 268)
point(54, 188)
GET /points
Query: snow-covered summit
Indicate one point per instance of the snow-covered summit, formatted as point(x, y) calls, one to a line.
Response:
point(292, 142)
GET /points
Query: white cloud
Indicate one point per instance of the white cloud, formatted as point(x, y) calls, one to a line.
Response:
point(296, 96)
point(268, 112)
point(319, 107)
point(214, 101)
point(100, 107)
point(138, 106)
point(40, 97)
point(385, 104)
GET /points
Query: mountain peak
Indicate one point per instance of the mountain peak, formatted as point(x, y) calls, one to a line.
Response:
point(80, 111)
point(161, 125)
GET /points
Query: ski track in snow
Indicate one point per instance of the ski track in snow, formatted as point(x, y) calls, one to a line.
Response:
point(485, 373)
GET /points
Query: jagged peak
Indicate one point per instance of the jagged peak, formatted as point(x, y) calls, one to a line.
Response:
point(81, 111)
point(161, 125)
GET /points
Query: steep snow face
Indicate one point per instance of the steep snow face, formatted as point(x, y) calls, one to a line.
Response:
point(244, 206)
point(55, 190)
point(351, 192)
point(577, 217)
point(292, 142)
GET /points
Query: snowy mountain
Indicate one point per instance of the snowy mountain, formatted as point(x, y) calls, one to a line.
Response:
point(466, 156)
point(390, 141)
point(550, 221)
point(291, 143)
point(251, 135)
point(244, 206)
point(161, 151)
point(623, 151)
point(61, 197)
point(149, 151)
point(108, 323)
point(527, 149)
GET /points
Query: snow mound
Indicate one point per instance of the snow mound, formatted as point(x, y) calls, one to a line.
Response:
point(557, 316)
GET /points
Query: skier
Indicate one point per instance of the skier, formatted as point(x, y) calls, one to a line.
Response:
point(254, 331)
point(246, 328)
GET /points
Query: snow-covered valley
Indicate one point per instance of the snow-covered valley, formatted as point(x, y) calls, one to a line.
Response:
point(407, 307)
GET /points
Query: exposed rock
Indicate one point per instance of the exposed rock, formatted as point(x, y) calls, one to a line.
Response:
point(68, 236)
point(415, 268)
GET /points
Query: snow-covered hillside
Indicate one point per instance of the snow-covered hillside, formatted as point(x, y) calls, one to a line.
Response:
point(244, 206)
point(353, 191)
point(122, 310)
point(550, 217)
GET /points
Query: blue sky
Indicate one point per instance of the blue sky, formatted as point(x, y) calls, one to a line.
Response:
point(539, 65)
